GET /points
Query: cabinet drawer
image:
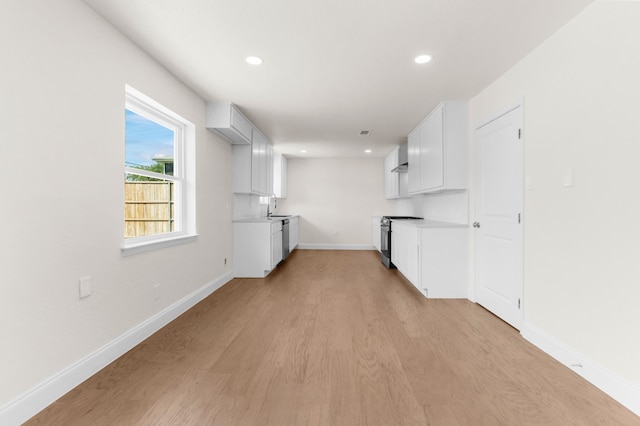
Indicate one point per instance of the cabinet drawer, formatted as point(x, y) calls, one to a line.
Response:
point(276, 226)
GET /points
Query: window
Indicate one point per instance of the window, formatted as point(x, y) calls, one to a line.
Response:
point(159, 175)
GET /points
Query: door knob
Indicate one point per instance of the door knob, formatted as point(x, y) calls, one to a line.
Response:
point(476, 224)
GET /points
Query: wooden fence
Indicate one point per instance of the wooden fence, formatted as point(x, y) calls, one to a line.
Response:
point(148, 208)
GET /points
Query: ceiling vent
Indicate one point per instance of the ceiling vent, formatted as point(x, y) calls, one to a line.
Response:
point(365, 132)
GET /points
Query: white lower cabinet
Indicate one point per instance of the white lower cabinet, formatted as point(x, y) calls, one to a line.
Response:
point(257, 248)
point(404, 250)
point(443, 262)
point(276, 243)
point(432, 256)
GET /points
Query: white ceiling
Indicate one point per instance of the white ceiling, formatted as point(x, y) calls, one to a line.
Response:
point(335, 67)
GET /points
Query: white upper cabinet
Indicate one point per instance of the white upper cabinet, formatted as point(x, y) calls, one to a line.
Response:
point(437, 150)
point(252, 151)
point(269, 171)
point(259, 167)
point(279, 175)
point(261, 164)
point(413, 149)
point(226, 120)
point(250, 168)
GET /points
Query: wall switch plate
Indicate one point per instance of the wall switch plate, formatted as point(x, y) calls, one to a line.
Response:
point(84, 287)
point(568, 179)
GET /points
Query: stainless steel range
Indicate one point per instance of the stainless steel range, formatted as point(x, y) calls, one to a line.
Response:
point(385, 231)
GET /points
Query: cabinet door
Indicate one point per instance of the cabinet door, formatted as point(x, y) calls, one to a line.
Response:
point(240, 123)
point(404, 248)
point(397, 248)
point(261, 164)
point(432, 151)
point(279, 175)
point(252, 249)
point(268, 169)
point(412, 255)
point(283, 177)
point(443, 262)
point(385, 170)
point(256, 149)
point(413, 153)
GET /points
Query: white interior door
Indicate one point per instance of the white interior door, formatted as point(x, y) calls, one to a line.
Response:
point(498, 226)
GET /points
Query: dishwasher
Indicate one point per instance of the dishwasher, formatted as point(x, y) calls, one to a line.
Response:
point(285, 239)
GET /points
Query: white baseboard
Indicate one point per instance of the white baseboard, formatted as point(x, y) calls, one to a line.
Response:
point(627, 394)
point(27, 405)
point(335, 247)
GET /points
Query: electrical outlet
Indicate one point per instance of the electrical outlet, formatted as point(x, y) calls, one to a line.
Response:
point(528, 183)
point(156, 292)
point(84, 287)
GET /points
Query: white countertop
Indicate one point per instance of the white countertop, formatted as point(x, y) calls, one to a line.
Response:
point(421, 223)
point(264, 219)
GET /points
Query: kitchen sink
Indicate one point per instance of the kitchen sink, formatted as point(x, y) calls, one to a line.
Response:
point(280, 215)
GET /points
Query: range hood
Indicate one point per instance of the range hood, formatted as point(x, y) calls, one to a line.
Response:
point(403, 160)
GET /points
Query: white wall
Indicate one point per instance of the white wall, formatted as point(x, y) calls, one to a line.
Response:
point(581, 92)
point(250, 205)
point(336, 199)
point(62, 82)
point(444, 207)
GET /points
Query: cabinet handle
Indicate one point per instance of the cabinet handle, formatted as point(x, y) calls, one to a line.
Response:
point(476, 224)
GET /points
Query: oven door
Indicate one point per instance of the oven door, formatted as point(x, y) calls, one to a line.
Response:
point(385, 243)
point(385, 240)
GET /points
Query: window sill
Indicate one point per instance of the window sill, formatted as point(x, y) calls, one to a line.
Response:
point(134, 247)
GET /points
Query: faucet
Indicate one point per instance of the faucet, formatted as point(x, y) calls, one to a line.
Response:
point(269, 212)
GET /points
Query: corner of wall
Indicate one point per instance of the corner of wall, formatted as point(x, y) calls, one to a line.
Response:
point(624, 392)
point(27, 405)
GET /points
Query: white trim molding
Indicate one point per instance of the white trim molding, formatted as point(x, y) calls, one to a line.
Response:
point(335, 247)
point(27, 405)
point(626, 393)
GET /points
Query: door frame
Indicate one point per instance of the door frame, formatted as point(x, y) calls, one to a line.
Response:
point(519, 103)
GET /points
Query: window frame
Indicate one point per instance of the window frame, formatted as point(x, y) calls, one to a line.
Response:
point(183, 175)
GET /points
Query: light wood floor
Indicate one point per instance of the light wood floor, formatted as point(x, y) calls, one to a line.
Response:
point(333, 338)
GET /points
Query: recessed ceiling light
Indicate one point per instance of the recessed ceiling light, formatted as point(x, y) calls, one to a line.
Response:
point(254, 60)
point(303, 151)
point(367, 151)
point(422, 59)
